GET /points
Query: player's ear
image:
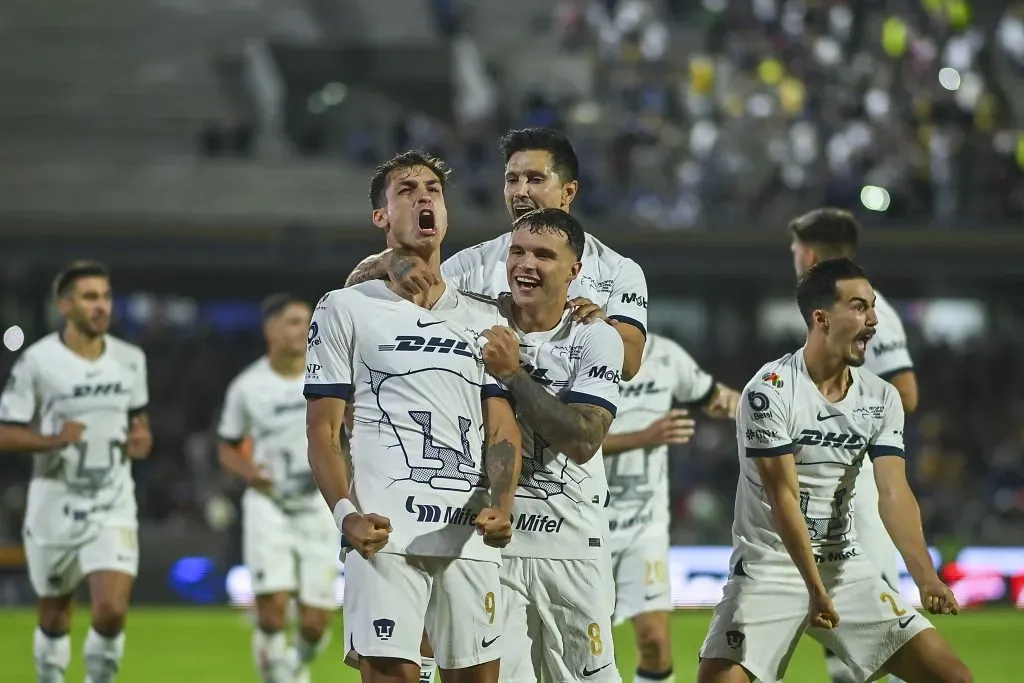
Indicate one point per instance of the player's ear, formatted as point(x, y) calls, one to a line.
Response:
point(569, 193)
point(575, 271)
point(380, 219)
point(821, 319)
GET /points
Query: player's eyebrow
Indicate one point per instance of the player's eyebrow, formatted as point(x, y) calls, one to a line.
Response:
point(860, 300)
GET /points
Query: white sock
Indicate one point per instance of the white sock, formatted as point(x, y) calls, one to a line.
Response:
point(270, 652)
point(837, 671)
point(52, 656)
point(102, 657)
point(651, 677)
point(427, 668)
point(308, 651)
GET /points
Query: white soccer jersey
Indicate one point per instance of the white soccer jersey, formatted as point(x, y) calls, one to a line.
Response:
point(638, 479)
point(887, 353)
point(612, 281)
point(271, 409)
point(50, 385)
point(559, 510)
point(416, 380)
point(782, 411)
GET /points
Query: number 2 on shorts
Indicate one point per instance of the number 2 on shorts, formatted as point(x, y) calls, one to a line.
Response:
point(489, 606)
point(887, 597)
point(594, 633)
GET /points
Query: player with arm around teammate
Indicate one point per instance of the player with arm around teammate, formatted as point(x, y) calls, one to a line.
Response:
point(434, 451)
point(636, 458)
point(289, 539)
point(806, 423)
point(824, 234)
point(541, 172)
point(76, 400)
point(563, 376)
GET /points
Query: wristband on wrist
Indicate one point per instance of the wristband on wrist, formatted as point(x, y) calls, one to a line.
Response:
point(342, 509)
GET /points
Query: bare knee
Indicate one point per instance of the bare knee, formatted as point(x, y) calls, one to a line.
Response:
point(960, 674)
point(313, 623)
point(272, 611)
point(388, 670)
point(54, 615)
point(713, 670)
point(425, 649)
point(652, 641)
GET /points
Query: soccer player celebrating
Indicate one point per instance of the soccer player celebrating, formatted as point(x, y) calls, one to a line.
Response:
point(76, 400)
point(806, 424)
point(563, 375)
point(636, 457)
point(541, 171)
point(289, 539)
point(434, 450)
point(833, 233)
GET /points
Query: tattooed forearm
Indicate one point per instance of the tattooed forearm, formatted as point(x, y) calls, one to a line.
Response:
point(370, 268)
point(400, 265)
point(502, 468)
point(574, 429)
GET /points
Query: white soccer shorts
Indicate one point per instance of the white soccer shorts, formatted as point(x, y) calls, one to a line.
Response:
point(757, 624)
point(641, 576)
point(558, 621)
point(391, 599)
point(56, 569)
point(290, 553)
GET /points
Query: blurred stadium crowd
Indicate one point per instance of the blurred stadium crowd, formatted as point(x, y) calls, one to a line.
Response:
point(721, 113)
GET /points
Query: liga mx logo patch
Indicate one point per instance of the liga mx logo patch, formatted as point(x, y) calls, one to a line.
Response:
point(385, 628)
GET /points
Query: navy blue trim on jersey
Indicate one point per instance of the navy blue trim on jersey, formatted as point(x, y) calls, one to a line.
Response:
point(590, 399)
point(882, 451)
point(494, 391)
point(630, 321)
point(135, 412)
point(342, 391)
point(14, 423)
point(232, 442)
point(892, 373)
point(708, 395)
point(773, 452)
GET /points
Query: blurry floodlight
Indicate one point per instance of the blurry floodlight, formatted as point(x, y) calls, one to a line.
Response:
point(14, 337)
point(949, 78)
point(875, 198)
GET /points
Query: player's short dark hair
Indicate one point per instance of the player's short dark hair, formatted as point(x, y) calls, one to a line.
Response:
point(75, 271)
point(817, 288)
point(563, 156)
point(554, 220)
point(834, 232)
point(275, 304)
point(382, 174)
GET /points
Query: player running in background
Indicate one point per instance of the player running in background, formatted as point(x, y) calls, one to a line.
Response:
point(431, 434)
point(76, 400)
point(825, 234)
point(636, 458)
point(807, 422)
point(289, 541)
point(541, 171)
point(563, 375)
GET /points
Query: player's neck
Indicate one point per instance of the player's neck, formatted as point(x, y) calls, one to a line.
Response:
point(539, 318)
point(287, 364)
point(83, 345)
point(829, 372)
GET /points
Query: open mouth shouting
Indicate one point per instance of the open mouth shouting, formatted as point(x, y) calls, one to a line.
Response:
point(521, 208)
point(525, 284)
point(860, 342)
point(427, 222)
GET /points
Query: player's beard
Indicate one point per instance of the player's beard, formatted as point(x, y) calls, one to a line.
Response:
point(91, 328)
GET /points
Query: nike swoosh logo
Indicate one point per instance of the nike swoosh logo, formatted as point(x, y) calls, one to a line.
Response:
point(420, 323)
point(821, 417)
point(906, 622)
point(488, 643)
point(654, 597)
point(588, 672)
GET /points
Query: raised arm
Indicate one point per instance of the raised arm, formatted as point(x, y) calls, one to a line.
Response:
point(502, 451)
point(410, 272)
point(577, 423)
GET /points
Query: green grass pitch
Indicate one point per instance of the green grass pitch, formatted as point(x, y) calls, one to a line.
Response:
point(211, 645)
